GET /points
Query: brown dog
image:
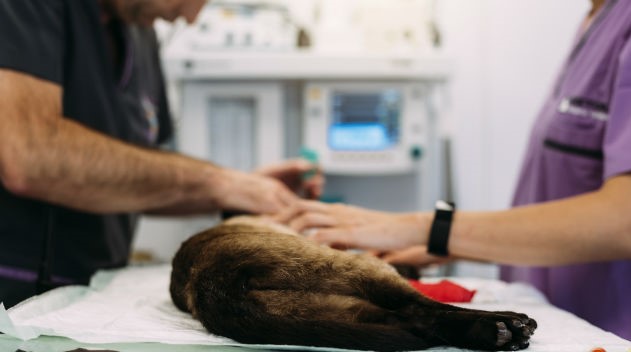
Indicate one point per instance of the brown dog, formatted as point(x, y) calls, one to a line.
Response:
point(254, 282)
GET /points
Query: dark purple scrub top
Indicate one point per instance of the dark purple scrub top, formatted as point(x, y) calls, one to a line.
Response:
point(581, 138)
point(65, 43)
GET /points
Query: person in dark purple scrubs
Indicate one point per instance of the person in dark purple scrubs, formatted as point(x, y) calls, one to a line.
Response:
point(569, 233)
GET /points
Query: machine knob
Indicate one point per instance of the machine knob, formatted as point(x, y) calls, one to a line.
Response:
point(416, 152)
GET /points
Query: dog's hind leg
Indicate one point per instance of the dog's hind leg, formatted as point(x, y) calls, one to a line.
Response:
point(437, 323)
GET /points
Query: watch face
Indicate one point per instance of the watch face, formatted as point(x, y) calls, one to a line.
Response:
point(444, 205)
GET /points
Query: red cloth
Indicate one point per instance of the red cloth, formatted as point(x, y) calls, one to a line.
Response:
point(444, 291)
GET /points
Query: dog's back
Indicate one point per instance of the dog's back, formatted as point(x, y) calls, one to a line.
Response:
point(257, 283)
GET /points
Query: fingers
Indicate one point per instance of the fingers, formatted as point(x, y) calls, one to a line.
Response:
point(276, 198)
point(254, 193)
point(302, 165)
point(312, 220)
point(268, 170)
point(416, 256)
point(313, 187)
point(312, 179)
point(298, 174)
point(412, 255)
point(298, 208)
point(286, 197)
point(335, 237)
point(291, 166)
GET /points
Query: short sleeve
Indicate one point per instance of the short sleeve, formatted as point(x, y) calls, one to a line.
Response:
point(32, 37)
point(617, 142)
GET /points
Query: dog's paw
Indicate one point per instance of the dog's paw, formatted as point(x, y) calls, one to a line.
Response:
point(472, 329)
point(512, 330)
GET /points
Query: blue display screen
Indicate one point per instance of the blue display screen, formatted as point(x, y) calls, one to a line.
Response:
point(365, 121)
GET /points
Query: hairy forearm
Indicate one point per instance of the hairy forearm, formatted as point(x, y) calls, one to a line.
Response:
point(79, 168)
point(588, 228)
point(57, 160)
point(50, 158)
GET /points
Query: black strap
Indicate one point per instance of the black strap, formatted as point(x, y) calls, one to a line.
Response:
point(439, 232)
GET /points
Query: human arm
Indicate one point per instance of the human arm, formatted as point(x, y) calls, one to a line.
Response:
point(591, 227)
point(54, 159)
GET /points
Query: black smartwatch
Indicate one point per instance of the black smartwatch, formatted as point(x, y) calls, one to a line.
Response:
point(441, 226)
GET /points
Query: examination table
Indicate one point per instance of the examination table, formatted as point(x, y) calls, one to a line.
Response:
point(130, 310)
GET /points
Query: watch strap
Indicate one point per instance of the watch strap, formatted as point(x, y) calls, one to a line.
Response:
point(441, 228)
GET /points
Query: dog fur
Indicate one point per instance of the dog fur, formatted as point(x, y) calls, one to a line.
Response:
point(259, 283)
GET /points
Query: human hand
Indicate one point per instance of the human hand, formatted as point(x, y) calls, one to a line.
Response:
point(253, 193)
point(415, 256)
point(291, 174)
point(345, 226)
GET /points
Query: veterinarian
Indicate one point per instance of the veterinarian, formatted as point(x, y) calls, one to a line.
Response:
point(82, 109)
point(569, 233)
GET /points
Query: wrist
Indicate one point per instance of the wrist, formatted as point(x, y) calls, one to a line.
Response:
point(216, 184)
point(416, 228)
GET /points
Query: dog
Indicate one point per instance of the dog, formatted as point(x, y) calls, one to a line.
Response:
point(257, 282)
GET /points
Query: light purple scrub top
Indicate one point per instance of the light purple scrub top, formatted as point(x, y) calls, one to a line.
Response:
point(583, 137)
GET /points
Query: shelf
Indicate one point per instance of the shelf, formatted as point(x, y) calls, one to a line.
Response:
point(303, 65)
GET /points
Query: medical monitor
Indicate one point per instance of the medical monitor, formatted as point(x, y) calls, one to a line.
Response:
point(367, 121)
point(367, 128)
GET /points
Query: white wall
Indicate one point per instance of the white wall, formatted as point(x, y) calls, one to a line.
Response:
point(507, 54)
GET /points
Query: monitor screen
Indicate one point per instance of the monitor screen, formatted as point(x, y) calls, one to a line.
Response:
point(367, 121)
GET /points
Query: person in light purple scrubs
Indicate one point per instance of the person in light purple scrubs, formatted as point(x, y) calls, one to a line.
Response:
point(581, 139)
point(569, 232)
